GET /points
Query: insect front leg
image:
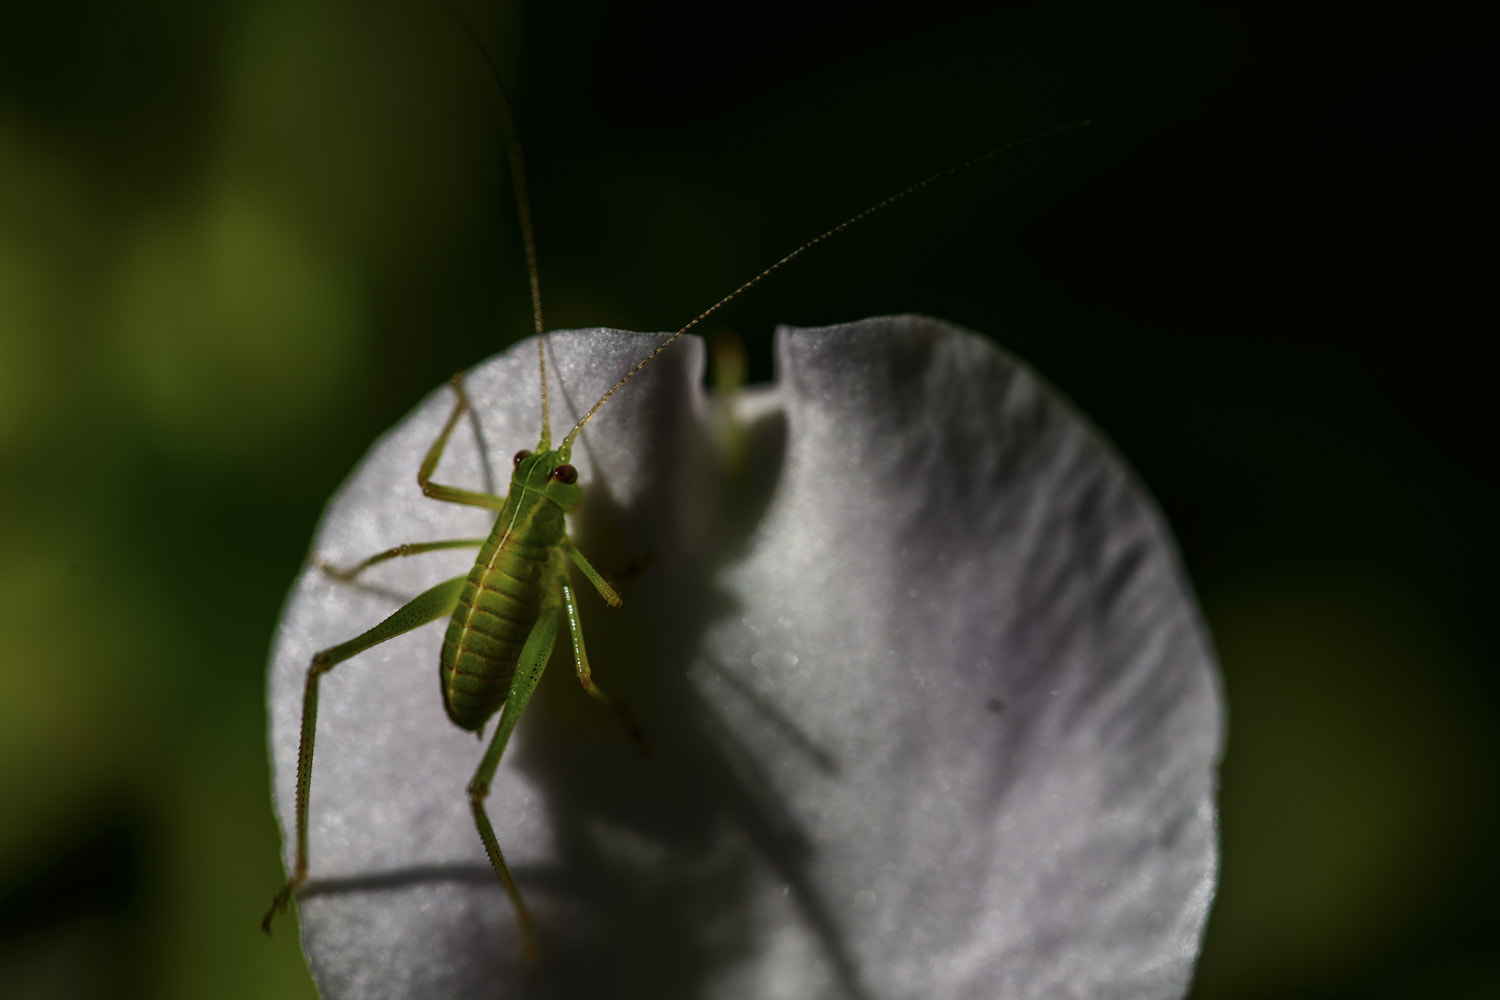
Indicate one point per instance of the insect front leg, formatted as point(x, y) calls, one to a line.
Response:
point(428, 606)
point(529, 667)
point(452, 494)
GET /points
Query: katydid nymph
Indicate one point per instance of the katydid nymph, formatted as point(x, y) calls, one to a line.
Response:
point(505, 614)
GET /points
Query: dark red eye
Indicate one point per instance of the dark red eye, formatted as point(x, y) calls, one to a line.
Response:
point(521, 456)
point(565, 474)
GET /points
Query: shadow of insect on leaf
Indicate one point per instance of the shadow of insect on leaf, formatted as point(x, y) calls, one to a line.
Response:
point(638, 839)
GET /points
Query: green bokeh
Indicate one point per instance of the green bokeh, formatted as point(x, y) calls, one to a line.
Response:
point(239, 240)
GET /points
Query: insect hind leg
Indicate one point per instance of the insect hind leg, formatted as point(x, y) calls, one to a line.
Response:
point(532, 661)
point(428, 606)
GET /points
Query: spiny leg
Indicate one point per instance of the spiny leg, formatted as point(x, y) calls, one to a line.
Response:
point(533, 659)
point(452, 494)
point(585, 677)
point(408, 549)
point(428, 606)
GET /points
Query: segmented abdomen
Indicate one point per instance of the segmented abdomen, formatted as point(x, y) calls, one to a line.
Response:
point(499, 605)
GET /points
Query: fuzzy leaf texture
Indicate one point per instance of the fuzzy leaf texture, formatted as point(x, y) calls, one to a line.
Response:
point(931, 709)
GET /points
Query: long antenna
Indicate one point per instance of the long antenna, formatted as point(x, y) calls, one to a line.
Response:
point(898, 196)
point(507, 120)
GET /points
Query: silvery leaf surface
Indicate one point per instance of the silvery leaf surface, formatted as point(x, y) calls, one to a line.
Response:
point(928, 705)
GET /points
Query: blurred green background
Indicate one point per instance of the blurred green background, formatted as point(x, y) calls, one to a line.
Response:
point(238, 240)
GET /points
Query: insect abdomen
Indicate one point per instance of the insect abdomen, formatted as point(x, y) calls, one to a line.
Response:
point(496, 611)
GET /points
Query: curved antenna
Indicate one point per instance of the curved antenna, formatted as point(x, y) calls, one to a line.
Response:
point(507, 119)
point(883, 203)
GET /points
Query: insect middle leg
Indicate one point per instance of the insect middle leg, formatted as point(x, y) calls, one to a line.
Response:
point(428, 606)
point(409, 549)
point(586, 677)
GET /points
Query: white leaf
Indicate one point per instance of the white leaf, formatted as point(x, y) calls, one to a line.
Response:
point(931, 709)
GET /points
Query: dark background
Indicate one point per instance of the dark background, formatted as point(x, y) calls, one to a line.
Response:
point(238, 240)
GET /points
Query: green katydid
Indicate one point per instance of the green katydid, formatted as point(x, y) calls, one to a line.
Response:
point(505, 613)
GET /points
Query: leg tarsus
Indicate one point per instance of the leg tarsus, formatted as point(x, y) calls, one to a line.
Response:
point(279, 903)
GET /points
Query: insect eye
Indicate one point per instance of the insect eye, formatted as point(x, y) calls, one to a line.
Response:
point(521, 456)
point(565, 474)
